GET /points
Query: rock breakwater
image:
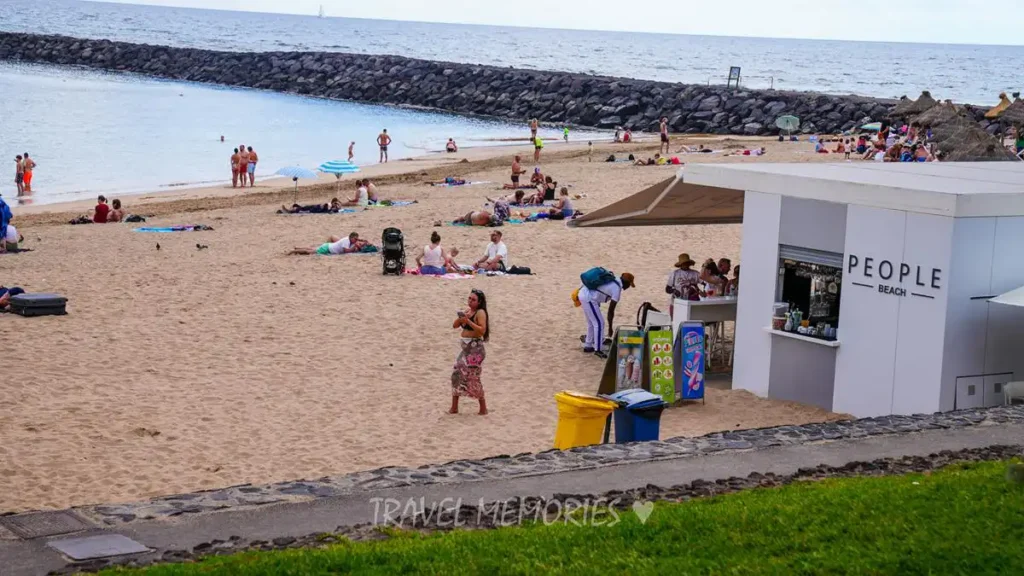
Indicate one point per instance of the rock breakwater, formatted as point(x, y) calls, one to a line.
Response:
point(504, 93)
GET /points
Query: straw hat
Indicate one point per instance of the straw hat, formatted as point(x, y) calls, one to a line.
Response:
point(684, 260)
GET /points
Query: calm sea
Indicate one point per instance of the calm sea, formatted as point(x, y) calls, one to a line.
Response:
point(92, 131)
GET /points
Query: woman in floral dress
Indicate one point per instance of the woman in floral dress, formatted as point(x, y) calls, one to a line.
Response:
point(476, 330)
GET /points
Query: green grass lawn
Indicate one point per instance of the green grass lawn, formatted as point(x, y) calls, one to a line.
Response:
point(963, 520)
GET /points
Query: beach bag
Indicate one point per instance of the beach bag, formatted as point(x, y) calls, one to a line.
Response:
point(520, 271)
point(393, 251)
point(596, 277)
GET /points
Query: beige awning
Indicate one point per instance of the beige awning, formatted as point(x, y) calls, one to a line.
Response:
point(670, 203)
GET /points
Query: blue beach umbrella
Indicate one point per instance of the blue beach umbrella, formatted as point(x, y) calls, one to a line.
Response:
point(296, 172)
point(338, 168)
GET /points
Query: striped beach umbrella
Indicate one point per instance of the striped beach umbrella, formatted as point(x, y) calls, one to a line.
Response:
point(338, 167)
point(295, 173)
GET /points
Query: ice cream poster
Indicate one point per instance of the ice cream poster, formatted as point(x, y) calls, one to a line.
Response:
point(690, 355)
point(659, 349)
point(630, 359)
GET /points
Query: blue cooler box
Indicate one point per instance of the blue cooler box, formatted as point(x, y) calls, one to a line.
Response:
point(638, 417)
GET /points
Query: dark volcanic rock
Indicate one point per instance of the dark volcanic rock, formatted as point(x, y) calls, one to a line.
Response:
point(508, 93)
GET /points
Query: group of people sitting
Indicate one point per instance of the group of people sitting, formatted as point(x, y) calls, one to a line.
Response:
point(712, 280)
point(434, 260)
point(103, 213)
point(623, 136)
point(366, 194)
point(908, 144)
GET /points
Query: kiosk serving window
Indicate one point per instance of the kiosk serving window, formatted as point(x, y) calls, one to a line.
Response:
point(811, 281)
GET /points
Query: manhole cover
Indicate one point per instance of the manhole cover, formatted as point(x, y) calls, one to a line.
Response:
point(40, 524)
point(102, 546)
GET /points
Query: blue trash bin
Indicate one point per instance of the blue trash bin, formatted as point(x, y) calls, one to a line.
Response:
point(638, 417)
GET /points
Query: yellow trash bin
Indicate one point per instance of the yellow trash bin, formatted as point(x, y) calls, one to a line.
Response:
point(581, 419)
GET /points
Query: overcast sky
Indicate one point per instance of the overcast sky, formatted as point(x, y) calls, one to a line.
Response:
point(939, 21)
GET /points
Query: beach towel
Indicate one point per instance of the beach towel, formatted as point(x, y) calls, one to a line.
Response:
point(449, 276)
point(342, 211)
point(368, 249)
point(452, 185)
point(392, 203)
point(165, 229)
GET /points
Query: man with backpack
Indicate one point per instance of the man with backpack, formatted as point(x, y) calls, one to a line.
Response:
point(600, 286)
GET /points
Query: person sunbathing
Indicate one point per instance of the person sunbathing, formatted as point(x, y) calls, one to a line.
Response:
point(6, 294)
point(334, 245)
point(656, 161)
point(449, 181)
point(334, 206)
point(476, 218)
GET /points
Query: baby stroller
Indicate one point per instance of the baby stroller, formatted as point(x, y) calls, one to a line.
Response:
point(393, 251)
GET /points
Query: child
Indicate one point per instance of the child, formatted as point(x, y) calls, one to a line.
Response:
point(590, 151)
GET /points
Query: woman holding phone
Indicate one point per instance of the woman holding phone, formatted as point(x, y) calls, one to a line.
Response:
point(476, 330)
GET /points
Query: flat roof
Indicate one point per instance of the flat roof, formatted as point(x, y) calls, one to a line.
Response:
point(955, 189)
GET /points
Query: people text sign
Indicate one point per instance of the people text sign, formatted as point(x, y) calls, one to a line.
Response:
point(900, 279)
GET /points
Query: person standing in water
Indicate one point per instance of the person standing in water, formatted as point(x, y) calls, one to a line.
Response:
point(243, 165)
point(253, 159)
point(565, 134)
point(476, 331)
point(351, 151)
point(28, 165)
point(234, 169)
point(383, 140)
point(19, 174)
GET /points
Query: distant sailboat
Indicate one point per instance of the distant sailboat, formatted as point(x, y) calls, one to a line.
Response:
point(321, 15)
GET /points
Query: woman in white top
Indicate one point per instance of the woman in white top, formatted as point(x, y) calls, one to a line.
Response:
point(432, 261)
point(362, 196)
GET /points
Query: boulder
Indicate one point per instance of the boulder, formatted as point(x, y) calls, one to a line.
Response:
point(752, 128)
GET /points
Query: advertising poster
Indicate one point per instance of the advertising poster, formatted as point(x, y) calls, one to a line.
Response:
point(689, 354)
point(662, 364)
point(629, 358)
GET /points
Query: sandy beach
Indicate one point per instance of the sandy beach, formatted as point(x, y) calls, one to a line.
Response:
point(181, 369)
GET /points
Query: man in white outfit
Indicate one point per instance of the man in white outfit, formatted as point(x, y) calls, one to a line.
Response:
point(591, 300)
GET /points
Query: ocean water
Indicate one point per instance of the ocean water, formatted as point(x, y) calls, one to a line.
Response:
point(92, 132)
point(965, 73)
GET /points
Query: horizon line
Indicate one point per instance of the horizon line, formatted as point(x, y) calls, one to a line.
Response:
point(558, 28)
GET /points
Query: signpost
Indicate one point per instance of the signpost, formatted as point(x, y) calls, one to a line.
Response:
point(661, 364)
point(689, 356)
point(734, 76)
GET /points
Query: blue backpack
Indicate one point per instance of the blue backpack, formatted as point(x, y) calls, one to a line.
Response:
point(597, 277)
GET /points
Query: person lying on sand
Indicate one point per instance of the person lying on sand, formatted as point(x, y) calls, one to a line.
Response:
point(334, 245)
point(6, 294)
point(331, 208)
point(658, 160)
point(448, 181)
point(477, 218)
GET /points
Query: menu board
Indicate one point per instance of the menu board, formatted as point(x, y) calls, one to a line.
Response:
point(629, 358)
point(690, 356)
point(659, 350)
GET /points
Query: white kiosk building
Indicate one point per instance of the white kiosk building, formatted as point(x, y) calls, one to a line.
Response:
point(901, 258)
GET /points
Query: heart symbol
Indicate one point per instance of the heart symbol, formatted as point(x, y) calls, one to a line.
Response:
point(643, 510)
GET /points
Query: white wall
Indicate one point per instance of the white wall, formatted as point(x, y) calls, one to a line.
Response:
point(921, 332)
point(1004, 344)
point(813, 224)
point(759, 256)
point(868, 320)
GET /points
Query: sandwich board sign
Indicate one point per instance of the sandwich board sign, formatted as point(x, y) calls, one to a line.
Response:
point(734, 76)
point(625, 365)
point(661, 364)
point(689, 356)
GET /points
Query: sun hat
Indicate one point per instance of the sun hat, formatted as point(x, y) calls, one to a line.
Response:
point(684, 259)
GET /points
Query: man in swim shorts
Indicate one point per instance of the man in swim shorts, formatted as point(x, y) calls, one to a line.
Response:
point(234, 169)
point(243, 165)
point(533, 129)
point(664, 136)
point(517, 171)
point(28, 165)
point(19, 174)
point(475, 218)
point(383, 140)
point(253, 159)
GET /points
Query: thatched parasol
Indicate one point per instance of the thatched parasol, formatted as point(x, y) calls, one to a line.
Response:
point(922, 104)
point(937, 115)
point(1014, 113)
point(997, 110)
point(962, 140)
